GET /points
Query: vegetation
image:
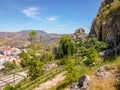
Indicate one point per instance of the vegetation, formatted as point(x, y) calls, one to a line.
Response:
point(9, 87)
point(47, 56)
point(74, 57)
point(66, 47)
point(72, 74)
point(98, 45)
point(29, 85)
point(101, 38)
point(31, 60)
point(92, 55)
point(9, 66)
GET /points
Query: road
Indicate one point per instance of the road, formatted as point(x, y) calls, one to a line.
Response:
point(12, 79)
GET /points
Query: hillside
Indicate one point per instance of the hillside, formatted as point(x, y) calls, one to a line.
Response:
point(22, 38)
point(76, 62)
point(106, 25)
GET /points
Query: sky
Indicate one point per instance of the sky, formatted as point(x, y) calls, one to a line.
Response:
point(51, 16)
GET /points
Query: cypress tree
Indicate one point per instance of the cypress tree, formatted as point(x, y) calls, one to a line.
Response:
point(101, 38)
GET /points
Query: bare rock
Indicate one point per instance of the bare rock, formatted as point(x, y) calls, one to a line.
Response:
point(108, 18)
point(83, 83)
point(79, 35)
point(75, 87)
point(103, 71)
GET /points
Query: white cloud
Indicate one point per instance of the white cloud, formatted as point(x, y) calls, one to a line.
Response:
point(31, 12)
point(53, 18)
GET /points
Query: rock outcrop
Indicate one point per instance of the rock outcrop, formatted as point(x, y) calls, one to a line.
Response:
point(83, 83)
point(103, 71)
point(106, 25)
point(79, 35)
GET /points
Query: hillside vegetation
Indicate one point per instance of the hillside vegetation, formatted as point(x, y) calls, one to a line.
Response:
point(80, 58)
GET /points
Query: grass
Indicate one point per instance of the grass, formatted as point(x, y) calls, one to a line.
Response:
point(109, 82)
point(83, 69)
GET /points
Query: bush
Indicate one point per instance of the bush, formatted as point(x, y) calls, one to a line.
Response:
point(66, 47)
point(92, 56)
point(9, 66)
point(64, 60)
point(9, 87)
point(72, 73)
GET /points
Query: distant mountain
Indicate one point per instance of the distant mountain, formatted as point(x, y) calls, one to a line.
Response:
point(28, 31)
point(22, 38)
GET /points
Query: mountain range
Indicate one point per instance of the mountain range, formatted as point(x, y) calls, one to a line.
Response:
point(22, 38)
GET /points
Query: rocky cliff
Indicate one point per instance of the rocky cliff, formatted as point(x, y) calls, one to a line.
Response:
point(106, 25)
point(79, 35)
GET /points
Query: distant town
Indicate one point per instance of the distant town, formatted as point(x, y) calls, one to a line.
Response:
point(8, 53)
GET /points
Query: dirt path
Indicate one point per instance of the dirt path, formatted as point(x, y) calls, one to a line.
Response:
point(51, 83)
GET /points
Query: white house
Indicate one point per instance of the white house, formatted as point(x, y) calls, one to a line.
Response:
point(2, 59)
point(15, 51)
point(6, 51)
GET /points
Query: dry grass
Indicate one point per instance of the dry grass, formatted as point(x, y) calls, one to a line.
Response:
point(106, 83)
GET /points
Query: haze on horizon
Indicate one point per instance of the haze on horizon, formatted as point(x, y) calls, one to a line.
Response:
point(52, 16)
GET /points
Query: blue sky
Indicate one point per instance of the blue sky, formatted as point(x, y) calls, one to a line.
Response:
point(52, 16)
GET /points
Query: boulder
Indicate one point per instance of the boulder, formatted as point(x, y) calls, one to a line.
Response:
point(83, 83)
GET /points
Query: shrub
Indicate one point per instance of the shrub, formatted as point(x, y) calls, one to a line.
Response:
point(9, 87)
point(92, 56)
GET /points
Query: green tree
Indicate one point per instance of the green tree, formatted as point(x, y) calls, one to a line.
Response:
point(101, 38)
point(92, 56)
point(24, 59)
point(47, 56)
point(36, 68)
point(33, 36)
point(31, 59)
point(9, 66)
point(64, 60)
point(80, 54)
point(66, 47)
point(72, 73)
point(33, 40)
point(98, 45)
point(9, 87)
point(35, 65)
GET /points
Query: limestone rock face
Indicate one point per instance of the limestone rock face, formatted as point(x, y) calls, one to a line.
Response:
point(79, 35)
point(107, 23)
